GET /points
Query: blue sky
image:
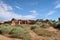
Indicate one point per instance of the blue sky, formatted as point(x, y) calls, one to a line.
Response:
point(29, 9)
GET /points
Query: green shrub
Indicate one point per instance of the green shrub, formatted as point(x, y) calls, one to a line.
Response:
point(26, 35)
point(57, 25)
point(5, 29)
point(52, 23)
point(41, 32)
point(22, 26)
point(34, 26)
point(16, 31)
point(58, 19)
point(21, 33)
point(38, 23)
point(44, 25)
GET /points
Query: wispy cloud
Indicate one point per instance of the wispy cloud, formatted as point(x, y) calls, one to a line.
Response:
point(57, 3)
point(50, 13)
point(57, 6)
point(6, 11)
point(19, 7)
point(34, 12)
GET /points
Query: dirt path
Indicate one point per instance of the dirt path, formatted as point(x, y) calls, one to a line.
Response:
point(6, 38)
point(34, 36)
point(58, 35)
point(51, 29)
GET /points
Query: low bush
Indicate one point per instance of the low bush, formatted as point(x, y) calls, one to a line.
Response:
point(5, 29)
point(44, 25)
point(38, 23)
point(41, 32)
point(52, 23)
point(16, 31)
point(34, 26)
point(22, 26)
point(57, 25)
point(26, 35)
point(20, 33)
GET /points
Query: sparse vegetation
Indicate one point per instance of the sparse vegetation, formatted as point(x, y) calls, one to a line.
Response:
point(34, 26)
point(17, 31)
point(5, 29)
point(42, 32)
point(51, 23)
point(57, 25)
point(42, 25)
point(23, 31)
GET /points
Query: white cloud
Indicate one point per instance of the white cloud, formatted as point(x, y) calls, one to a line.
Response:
point(57, 6)
point(19, 7)
point(50, 13)
point(34, 12)
point(6, 11)
point(57, 3)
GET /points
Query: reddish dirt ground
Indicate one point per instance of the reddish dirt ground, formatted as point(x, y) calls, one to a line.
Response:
point(6, 38)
